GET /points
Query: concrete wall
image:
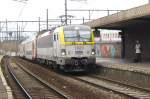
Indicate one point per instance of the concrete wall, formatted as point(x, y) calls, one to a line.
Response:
point(141, 33)
point(108, 50)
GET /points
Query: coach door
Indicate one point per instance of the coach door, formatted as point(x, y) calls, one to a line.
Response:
point(56, 44)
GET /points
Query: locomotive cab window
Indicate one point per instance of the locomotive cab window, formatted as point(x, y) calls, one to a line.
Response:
point(78, 36)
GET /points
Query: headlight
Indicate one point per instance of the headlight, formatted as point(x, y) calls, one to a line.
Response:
point(63, 52)
point(93, 52)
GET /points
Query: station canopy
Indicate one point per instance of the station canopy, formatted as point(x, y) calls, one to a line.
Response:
point(128, 18)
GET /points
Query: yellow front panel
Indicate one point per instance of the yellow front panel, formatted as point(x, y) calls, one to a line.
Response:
point(61, 31)
point(62, 40)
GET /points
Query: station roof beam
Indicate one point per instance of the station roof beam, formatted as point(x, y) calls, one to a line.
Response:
point(124, 19)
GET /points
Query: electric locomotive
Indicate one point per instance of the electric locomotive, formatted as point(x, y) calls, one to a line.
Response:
point(73, 47)
point(69, 48)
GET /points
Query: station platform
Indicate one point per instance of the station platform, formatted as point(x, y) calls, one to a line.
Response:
point(124, 64)
point(5, 91)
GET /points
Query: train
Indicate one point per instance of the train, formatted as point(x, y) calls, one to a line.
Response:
point(68, 48)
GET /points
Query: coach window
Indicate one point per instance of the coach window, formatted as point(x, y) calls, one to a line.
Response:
point(54, 37)
point(57, 36)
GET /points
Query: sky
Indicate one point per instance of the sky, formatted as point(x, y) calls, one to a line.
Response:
point(33, 9)
point(13, 10)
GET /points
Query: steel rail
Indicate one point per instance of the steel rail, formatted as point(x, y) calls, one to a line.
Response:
point(105, 88)
point(118, 82)
point(19, 84)
point(43, 82)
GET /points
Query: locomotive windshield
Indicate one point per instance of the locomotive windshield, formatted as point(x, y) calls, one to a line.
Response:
point(77, 36)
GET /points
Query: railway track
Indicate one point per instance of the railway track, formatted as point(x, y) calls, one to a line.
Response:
point(124, 89)
point(125, 84)
point(32, 86)
point(16, 91)
point(72, 87)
